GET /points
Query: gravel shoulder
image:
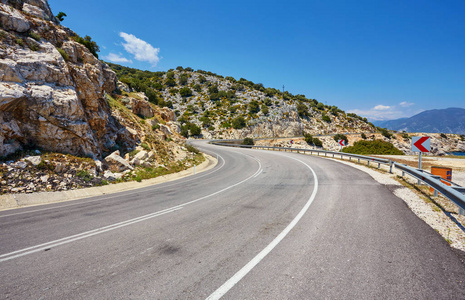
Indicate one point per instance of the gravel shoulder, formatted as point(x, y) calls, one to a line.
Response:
point(12, 201)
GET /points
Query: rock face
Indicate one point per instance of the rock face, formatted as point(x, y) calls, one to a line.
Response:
point(52, 89)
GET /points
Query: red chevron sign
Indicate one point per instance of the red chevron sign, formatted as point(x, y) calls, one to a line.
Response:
point(421, 144)
point(342, 142)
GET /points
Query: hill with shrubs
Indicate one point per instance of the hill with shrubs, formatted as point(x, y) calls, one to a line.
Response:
point(209, 105)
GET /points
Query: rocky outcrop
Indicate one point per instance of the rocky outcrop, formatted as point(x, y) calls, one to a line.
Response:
point(52, 89)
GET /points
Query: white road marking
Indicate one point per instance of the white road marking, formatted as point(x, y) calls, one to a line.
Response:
point(37, 248)
point(250, 265)
point(112, 196)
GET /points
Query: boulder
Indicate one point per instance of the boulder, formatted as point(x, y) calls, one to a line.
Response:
point(142, 108)
point(116, 163)
point(34, 160)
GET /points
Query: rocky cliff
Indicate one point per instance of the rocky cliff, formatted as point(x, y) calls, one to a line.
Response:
point(52, 88)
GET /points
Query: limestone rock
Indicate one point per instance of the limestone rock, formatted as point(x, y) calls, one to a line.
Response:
point(34, 160)
point(141, 155)
point(47, 101)
point(142, 108)
point(116, 163)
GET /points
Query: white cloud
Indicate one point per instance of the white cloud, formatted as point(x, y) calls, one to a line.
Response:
point(406, 104)
point(385, 112)
point(141, 50)
point(117, 58)
point(381, 107)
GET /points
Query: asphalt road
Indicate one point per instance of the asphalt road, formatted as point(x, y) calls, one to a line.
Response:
point(260, 225)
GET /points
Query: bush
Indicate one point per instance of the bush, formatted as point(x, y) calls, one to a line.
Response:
point(194, 129)
point(317, 142)
point(253, 107)
point(197, 88)
point(325, 118)
point(373, 147)
point(265, 109)
point(308, 138)
point(20, 42)
point(385, 133)
point(363, 136)
point(89, 44)
point(192, 149)
point(61, 16)
point(302, 110)
point(248, 141)
point(239, 123)
point(340, 136)
point(185, 92)
point(63, 54)
point(34, 35)
point(84, 175)
point(183, 79)
point(443, 135)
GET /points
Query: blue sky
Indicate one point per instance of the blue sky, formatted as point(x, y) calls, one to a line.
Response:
point(380, 59)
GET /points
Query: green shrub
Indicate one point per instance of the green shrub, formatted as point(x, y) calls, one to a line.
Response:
point(155, 127)
point(185, 92)
point(363, 136)
point(302, 110)
point(20, 42)
point(89, 44)
point(248, 141)
point(63, 54)
point(34, 35)
point(325, 118)
point(385, 133)
point(317, 142)
point(253, 107)
point(61, 16)
point(265, 109)
point(84, 175)
point(443, 135)
point(341, 136)
point(308, 138)
point(239, 123)
point(192, 149)
point(373, 147)
point(405, 135)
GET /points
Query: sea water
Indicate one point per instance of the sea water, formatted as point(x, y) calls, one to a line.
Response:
point(457, 153)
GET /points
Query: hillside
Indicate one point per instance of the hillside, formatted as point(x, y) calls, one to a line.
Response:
point(64, 123)
point(449, 120)
point(229, 108)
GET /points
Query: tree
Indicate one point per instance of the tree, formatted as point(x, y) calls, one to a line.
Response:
point(302, 110)
point(194, 129)
point(308, 138)
point(248, 141)
point(61, 16)
point(340, 136)
point(239, 123)
point(185, 92)
point(183, 79)
point(317, 142)
point(89, 44)
point(265, 109)
point(325, 118)
point(253, 107)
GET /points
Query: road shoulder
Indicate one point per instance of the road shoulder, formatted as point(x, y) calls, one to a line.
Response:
point(12, 201)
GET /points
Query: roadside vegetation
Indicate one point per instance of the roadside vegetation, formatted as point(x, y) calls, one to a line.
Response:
point(379, 147)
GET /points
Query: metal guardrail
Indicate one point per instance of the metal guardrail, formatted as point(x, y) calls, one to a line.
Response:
point(454, 192)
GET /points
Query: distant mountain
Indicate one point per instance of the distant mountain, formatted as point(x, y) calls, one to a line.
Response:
point(449, 120)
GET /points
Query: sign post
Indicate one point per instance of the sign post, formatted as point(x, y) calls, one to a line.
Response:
point(342, 143)
point(421, 144)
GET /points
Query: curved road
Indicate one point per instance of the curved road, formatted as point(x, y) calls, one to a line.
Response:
point(260, 225)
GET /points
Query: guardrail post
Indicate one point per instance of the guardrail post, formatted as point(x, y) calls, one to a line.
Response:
point(341, 157)
point(435, 193)
point(350, 158)
point(379, 165)
point(359, 160)
point(333, 155)
point(461, 211)
point(403, 173)
point(390, 166)
point(368, 163)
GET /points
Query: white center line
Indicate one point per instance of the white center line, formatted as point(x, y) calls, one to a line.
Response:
point(41, 247)
point(250, 265)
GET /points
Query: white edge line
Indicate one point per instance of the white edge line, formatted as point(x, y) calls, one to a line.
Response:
point(250, 265)
point(37, 248)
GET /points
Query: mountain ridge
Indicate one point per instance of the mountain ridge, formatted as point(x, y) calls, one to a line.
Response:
point(448, 120)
